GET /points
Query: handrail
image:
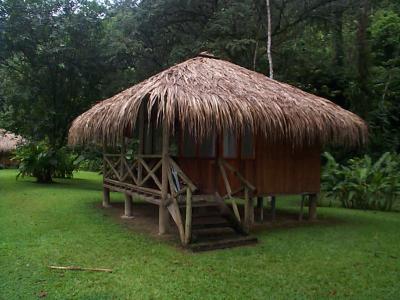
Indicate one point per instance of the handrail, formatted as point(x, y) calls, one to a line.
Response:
point(117, 166)
point(134, 173)
point(148, 155)
point(229, 189)
point(182, 175)
point(238, 175)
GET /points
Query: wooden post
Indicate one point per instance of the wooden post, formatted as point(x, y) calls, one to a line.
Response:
point(141, 141)
point(260, 207)
point(273, 208)
point(128, 207)
point(252, 210)
point(106, 191)
point(248, 207)
point(302, 207)
point(312, 207)
point(163, 212)
point(106, 197)
point(188, 218)
point(122, 158)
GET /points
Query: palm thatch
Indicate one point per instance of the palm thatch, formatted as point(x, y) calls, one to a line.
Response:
point(9, 141)
point(206, 94)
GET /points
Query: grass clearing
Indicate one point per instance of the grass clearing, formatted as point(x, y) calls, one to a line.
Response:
point(357, 255)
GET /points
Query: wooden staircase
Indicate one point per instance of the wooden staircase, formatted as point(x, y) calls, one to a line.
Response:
point(214, 226)
point(204, 222)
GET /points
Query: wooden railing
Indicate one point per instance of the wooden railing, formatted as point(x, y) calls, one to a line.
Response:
point(140, 172)
point(245, 186)
point(143, 174)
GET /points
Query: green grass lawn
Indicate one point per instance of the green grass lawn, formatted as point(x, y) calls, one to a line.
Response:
point(355, 254)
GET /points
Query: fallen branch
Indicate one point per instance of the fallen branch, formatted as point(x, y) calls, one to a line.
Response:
point(74, 268)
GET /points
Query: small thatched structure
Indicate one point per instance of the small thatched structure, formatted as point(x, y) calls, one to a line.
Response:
point(8, 143)
point(237, 134)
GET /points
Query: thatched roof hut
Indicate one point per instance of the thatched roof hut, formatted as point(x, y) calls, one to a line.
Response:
point(219, 94)
point(237, 132)
point(9, 141)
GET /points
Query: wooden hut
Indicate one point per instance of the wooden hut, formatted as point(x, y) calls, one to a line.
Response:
point(8, 143)
point(208, 131)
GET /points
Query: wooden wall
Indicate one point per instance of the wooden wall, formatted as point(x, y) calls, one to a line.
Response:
point(276, 169)
point(280, 169)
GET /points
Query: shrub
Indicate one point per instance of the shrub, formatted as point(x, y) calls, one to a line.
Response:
point(66, 163)
point(43, 162)
point(90, 158)
point(362, 183)
point(91, 164)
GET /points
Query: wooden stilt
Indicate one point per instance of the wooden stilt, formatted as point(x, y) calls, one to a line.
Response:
point(188, 219)
point(302, 207)
point(260, 208)
point(106, 191)
point(312, 207)
point(273, 208)
point(247, 209)
point(128, 207)
point(163, 212)
point(106, 197)
point(252, 210)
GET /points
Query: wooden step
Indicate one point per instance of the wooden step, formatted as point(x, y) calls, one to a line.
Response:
point(222, 244)
point(200, 204)
point(214, 234)
point(222, 224)
point(208, 214)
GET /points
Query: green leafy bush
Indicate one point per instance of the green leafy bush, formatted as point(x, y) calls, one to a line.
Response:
point(362, 183)
point(43, 162)
point(90, 158)
point(91, 164)
point(66, 163)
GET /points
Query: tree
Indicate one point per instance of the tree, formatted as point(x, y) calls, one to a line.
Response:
point(51, 64)
point(269, 38)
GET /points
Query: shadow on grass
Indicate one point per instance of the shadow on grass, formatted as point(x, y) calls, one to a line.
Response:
point(58, 183)
point(145, 221)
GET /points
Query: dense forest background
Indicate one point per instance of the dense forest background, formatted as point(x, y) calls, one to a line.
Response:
point(59, 57)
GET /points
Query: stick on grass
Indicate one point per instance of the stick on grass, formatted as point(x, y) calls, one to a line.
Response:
point(75, 268)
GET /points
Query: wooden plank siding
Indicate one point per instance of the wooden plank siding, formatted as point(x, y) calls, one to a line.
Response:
point(276, 169)
point(280, 169)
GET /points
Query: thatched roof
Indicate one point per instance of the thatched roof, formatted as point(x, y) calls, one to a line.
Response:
point(9, 141)
point(206, 94)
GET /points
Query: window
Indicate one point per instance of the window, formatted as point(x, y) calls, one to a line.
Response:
point(147, 136)
point(152, 139)
point(230, 144)
point(157, 140)
point(188, 145)
point(207, 146)
point(247, 144)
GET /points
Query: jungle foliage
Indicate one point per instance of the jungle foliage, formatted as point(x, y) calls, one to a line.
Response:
point(58, 57)
point(43, 162)
point(363, 183)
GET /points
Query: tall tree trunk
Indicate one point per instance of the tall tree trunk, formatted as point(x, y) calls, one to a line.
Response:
point(255, 56)
point(338, 37)
point(271, 67)
point(362, 104)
